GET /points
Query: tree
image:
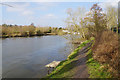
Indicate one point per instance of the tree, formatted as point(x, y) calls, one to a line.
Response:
point(38, 33)
point(4, 25)
point(23, 31)
point(96, 20)
point(31, 30)
point(32, 24)
point(50, 30)
point(75, 24)
point(112, 16)
point(60, 28)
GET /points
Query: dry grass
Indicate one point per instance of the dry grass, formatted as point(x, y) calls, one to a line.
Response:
point(105, 51)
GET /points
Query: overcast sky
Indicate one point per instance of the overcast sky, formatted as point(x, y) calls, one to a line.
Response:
point(42, 14)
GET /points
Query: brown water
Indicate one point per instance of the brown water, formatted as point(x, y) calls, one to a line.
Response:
point(27, 57)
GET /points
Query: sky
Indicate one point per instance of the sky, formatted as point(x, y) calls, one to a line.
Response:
point(40, 13)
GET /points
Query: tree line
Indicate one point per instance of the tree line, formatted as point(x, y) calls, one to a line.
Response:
point(30, 30)
point(91, 23)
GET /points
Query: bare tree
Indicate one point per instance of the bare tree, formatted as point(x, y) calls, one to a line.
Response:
point(112, 16)
point(75, 23)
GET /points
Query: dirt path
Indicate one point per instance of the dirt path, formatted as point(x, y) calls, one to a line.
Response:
point(80, 66)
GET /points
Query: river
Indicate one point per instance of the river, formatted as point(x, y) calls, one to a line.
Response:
point(26, 57)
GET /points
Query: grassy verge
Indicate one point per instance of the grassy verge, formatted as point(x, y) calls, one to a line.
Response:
point(65, 68)
point(95, 69)
point(74, 53)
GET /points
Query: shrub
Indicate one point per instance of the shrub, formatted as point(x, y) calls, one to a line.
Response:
point(105, 51)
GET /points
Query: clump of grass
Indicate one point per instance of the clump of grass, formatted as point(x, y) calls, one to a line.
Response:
point(95, 69)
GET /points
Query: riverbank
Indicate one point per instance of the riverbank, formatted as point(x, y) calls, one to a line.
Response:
point(28, 31)
point(19, 35)
point(81, 64)
point(6, 36)
point(69, 67)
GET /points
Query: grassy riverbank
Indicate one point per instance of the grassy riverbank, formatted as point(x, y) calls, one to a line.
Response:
point(66, 68)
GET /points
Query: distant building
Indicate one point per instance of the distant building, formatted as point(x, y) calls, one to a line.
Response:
point(76, 33)
point(70, 32)
point(66, 31)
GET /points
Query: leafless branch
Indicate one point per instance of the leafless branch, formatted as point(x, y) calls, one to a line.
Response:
point(6, 4)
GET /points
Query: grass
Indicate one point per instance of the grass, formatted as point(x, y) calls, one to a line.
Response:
point(74, 53)
point(95, 69)
point(65, 68)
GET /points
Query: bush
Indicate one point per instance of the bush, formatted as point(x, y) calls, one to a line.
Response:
point(105, 51)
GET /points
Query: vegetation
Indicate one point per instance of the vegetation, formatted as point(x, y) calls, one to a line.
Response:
point(97, 21)
point(103, 57)
point(112, 16)
point(95, 69)
point(75, 52)
point(104, 61)
point(31, 30)
point(75, 25)
point(90, 24)
point(64, 69)
point(105, 51)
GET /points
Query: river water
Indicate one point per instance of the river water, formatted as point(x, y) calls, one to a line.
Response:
point(27, 57)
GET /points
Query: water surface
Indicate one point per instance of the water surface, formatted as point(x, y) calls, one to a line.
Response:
point(27, 57)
